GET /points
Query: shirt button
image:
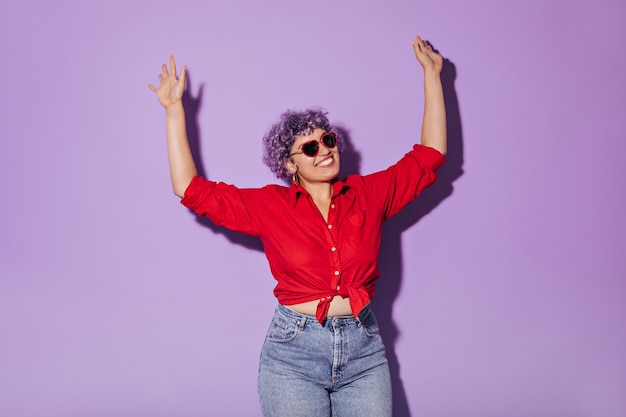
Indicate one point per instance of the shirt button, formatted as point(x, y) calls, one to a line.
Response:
point(338, 287)
point(332, 206)
point(333, 248)
point(330, 226)
point(321, 299)
point(328, 298)
point(336, 272)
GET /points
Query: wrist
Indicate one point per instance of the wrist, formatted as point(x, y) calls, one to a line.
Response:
point(174, 107)
point(431, 72)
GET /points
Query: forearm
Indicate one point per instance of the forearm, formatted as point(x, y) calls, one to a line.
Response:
point(182, 166)
point(434, 132)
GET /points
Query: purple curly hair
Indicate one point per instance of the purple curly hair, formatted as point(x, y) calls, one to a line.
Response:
point(278, 141)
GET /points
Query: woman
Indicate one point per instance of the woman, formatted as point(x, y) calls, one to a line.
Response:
point(323, 355)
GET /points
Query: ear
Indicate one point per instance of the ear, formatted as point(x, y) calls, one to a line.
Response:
point(291, 165)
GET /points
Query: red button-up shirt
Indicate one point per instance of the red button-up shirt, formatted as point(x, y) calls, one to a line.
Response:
point(312, 259)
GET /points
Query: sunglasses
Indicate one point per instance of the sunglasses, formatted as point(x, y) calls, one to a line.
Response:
point(312, 147)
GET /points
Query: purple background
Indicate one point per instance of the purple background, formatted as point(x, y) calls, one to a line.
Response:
point(503, 290)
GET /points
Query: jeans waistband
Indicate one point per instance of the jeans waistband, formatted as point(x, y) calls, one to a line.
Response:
point(302, 319)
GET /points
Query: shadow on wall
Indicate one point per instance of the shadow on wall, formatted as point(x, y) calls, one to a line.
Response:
point(390, 263)
point(192, 109)
point(390, 254)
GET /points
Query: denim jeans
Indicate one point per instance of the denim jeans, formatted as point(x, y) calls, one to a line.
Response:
point(337, 368)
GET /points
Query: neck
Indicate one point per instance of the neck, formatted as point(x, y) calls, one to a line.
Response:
point(319, 191)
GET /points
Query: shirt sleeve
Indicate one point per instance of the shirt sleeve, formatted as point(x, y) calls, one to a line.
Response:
point(399, 184)
point(226, 205)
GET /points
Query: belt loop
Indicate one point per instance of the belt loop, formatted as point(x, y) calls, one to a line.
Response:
point(301, 322)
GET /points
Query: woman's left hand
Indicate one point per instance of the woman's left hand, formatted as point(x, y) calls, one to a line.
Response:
point(429, 59)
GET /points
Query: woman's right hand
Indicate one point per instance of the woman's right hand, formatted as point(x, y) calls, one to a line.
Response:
point(170, 89)
point(426, 56)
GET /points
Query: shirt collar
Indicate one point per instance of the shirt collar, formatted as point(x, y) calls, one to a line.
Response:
point(297, 190)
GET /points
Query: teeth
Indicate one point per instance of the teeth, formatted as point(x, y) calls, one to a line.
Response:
point(325, 162)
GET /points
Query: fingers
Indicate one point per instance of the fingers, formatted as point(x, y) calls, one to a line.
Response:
point(172, 65)
point(424, 49)
point(418, 46)
point(172, 69)
point(422, 45)
point(426, 55)
point(183, 75)
point(165, 73)
point(167, 76)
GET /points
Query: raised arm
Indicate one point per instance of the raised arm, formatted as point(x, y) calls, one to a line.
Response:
point(434, 124)
point(170, 93)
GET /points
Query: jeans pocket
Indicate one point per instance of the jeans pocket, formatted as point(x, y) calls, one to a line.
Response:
point(281, 331)
point(369, 324)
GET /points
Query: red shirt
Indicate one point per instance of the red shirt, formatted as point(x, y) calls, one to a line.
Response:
point(310, 258)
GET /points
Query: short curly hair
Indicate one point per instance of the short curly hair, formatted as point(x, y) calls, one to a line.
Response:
point(278, 141)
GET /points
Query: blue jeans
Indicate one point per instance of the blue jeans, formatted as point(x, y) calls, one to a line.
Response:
point(337, 369)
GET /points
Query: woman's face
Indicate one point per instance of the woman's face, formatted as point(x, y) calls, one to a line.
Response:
point(322, 167)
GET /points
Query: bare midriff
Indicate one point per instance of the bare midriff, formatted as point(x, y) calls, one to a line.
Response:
point(339, 306)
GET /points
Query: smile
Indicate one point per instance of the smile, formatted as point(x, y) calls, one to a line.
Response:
point(326, 162)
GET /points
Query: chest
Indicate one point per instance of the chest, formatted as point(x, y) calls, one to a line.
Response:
point(309, 236)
